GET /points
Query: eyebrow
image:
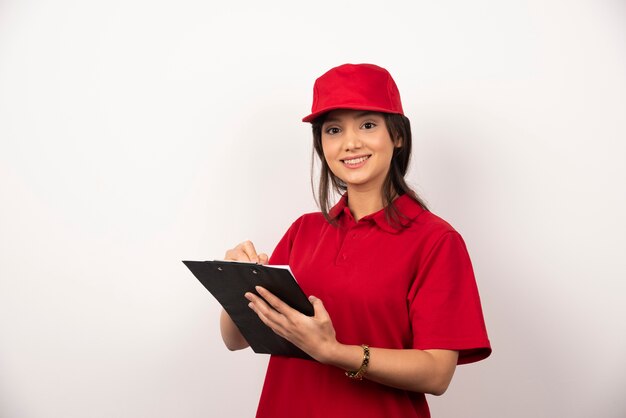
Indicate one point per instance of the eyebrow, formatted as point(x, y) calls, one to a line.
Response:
point(357, 116)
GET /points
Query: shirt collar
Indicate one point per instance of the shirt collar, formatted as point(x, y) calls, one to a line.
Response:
point(405, 205)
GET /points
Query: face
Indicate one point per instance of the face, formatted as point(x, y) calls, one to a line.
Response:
point(358, 148)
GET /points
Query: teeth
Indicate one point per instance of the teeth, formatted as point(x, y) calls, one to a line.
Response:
point(356, 160)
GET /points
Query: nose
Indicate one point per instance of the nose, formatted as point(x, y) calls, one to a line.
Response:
point(352, 140)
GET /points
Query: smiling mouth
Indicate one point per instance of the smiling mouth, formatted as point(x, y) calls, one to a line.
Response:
point(355, 161)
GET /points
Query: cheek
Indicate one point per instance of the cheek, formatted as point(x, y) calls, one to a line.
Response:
point(384, 147)
point(328, 150)
point(330, 154)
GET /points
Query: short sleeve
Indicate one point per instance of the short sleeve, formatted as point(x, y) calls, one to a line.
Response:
point(280, 255)
point(444, 304)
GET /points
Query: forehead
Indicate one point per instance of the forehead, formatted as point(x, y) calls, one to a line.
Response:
point(344, 114)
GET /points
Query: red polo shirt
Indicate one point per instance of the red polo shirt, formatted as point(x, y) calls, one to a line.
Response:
point(403, 288)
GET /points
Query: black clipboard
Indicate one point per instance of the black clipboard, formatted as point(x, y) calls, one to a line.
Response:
point(228, 282)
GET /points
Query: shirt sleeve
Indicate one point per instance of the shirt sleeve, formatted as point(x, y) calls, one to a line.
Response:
point(281, 254)
point(444, 304)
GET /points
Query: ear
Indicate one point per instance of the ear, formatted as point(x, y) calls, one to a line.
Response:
point(398, 142)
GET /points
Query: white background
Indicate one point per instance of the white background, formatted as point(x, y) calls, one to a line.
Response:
point(135, 134)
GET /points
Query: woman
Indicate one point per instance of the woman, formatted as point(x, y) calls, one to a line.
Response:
point(395, 299)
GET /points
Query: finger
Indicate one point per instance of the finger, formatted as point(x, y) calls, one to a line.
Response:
point(275, 329)
point(266, 314)
point(318, 307)
point(244, 251)
point(259, 305)
point(250, 251)
point(274, 301)
point(263, 258)
point(236, 254)
point(260, 314)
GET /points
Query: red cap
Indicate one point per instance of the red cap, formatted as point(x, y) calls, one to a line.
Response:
point(355, 86)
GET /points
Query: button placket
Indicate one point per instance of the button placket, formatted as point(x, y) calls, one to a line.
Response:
point(350, 240)
point(343, 255)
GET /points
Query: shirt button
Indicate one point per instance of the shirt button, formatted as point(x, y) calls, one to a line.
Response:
point(344, 256)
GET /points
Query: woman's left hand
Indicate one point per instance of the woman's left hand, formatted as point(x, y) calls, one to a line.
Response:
point(314, 335)
point(424, 371)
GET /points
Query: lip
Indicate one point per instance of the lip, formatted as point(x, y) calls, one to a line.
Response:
point(352, 157)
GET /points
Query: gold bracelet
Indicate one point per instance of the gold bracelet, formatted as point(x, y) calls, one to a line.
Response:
point(358, 375)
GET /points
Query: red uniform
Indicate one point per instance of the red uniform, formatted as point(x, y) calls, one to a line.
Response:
point(403, 288)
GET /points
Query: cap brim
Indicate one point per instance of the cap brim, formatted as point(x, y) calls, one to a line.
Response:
point(315, 115)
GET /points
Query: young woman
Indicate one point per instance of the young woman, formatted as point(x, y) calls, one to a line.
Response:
point(396, 302)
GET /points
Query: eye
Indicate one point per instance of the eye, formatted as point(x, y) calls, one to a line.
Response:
point(368, 125)
point(333, 130)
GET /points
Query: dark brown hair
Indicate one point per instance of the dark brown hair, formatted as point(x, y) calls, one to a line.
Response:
point(399, 128)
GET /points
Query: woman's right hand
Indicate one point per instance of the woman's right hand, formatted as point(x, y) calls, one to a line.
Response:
point(247, 253)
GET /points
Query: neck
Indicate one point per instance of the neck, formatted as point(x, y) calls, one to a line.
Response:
point(364, 202)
